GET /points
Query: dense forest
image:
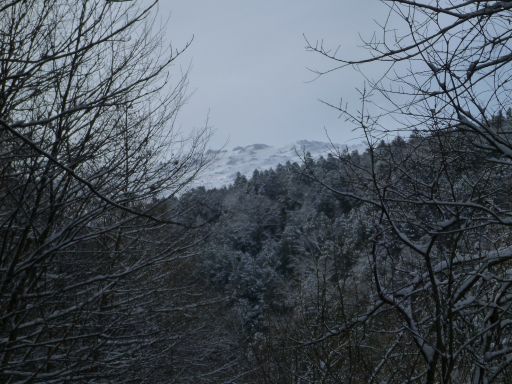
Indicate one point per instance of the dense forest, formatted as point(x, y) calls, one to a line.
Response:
point(388, 265)
point(292, 253)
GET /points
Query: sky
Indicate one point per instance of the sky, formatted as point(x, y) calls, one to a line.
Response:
point(249, 68)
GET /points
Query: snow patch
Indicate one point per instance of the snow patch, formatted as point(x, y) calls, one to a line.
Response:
point(246, 159)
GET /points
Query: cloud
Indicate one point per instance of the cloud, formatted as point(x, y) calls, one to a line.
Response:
point(249, 65)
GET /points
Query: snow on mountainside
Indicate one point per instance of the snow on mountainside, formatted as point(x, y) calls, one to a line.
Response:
point(246, 159)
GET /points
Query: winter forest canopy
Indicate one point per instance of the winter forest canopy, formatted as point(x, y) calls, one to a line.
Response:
point(388, 265)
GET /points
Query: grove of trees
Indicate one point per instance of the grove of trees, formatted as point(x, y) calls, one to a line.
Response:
point(88, 284)
point(441, 245)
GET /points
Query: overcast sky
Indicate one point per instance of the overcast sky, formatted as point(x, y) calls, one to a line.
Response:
point(249, 66)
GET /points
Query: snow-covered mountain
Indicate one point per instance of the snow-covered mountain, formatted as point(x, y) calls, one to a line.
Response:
point(246, 159)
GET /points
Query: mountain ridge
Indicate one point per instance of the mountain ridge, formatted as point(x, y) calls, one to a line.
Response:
point(246, 159)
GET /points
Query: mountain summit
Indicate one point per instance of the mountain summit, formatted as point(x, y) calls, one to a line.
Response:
point(245, 159)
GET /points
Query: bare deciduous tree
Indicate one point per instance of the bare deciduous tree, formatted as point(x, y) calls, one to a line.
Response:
point(88, 100)
point(440, 253)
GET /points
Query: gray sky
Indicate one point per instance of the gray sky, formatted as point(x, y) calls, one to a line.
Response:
point(248, 66)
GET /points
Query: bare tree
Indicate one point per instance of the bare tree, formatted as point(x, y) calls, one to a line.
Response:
point(440, 253)
point(88, 245)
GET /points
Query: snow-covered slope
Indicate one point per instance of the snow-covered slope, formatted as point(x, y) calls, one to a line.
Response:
point(246, 159)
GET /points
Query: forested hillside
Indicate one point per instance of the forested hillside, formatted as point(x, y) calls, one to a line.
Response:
point(326, 278)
